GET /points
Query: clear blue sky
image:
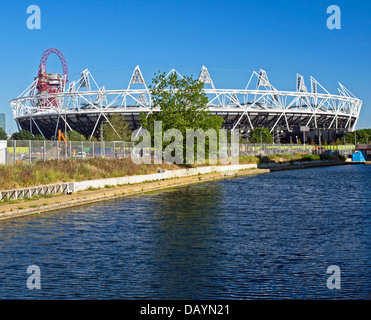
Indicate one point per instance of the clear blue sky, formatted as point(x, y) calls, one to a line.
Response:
point(231, 38)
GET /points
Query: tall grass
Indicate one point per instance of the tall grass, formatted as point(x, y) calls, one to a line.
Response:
point(20, 174)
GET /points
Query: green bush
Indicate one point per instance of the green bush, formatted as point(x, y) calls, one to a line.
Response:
point(310, 157)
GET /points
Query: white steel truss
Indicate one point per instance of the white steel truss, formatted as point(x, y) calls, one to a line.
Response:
point(259, 104)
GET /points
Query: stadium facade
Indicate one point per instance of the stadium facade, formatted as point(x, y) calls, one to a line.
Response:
point(50, 104)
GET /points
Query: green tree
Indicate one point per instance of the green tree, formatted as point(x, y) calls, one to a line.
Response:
point(260, 135)
point(182, 104)
point(22, 135)
point(122, 133)
point(362, 136)
point(3, 135)
point(38, 137)
point(75, 136)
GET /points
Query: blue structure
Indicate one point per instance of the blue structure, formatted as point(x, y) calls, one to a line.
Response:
point(359, 156)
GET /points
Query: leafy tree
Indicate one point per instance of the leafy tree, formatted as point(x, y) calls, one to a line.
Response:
point(22, 135)
point(260, 135)
point(337, 142)
point(75, 136)
point(3, 135)
point(38, 137)
point(182, 104)
point(362, 136)
point(122, 133)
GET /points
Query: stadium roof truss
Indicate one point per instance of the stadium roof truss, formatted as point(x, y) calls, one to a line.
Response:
point(82, 105)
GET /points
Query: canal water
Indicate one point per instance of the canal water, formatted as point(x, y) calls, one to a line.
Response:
point(268, 236)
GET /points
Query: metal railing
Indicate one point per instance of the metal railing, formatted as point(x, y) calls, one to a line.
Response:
point(33, 150)
point(290, 149)
point(36, 191)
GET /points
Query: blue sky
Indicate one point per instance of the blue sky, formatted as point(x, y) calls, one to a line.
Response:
point(231, 38)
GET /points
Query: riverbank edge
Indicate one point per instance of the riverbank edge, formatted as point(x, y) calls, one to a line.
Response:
point(86, 197)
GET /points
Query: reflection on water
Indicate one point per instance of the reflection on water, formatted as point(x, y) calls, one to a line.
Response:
point(186, 239)
point(269, 236)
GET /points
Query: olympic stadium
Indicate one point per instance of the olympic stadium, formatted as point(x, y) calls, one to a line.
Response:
point(51, 103)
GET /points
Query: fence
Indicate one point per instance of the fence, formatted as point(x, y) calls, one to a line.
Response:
point(36, 191)
point(290, 149)
point(17, 150)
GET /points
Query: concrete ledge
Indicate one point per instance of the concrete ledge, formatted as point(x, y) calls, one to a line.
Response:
point(155, 181)
point(70, 187)
point(101, 183)
point(93, 196)
point(294, 163)
point(227, 170)
point(301, 165)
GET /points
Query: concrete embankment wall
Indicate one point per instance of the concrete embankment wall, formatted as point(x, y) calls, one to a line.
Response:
point(134, 185)
point(288, 165)
point(101, 183)
point(70, 187)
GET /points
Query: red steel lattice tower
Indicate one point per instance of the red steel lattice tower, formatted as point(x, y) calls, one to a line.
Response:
point(51, 83)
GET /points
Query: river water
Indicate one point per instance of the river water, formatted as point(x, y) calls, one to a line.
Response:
point(268, 236)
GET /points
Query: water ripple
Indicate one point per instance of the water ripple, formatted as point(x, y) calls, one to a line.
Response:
point(269, 236)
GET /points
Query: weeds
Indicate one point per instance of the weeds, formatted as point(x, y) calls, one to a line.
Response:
point(21, 175)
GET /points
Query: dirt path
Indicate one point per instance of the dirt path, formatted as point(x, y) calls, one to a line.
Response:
point(56, 202)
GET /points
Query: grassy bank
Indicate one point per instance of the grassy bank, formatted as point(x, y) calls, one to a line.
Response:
point(22, 174)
